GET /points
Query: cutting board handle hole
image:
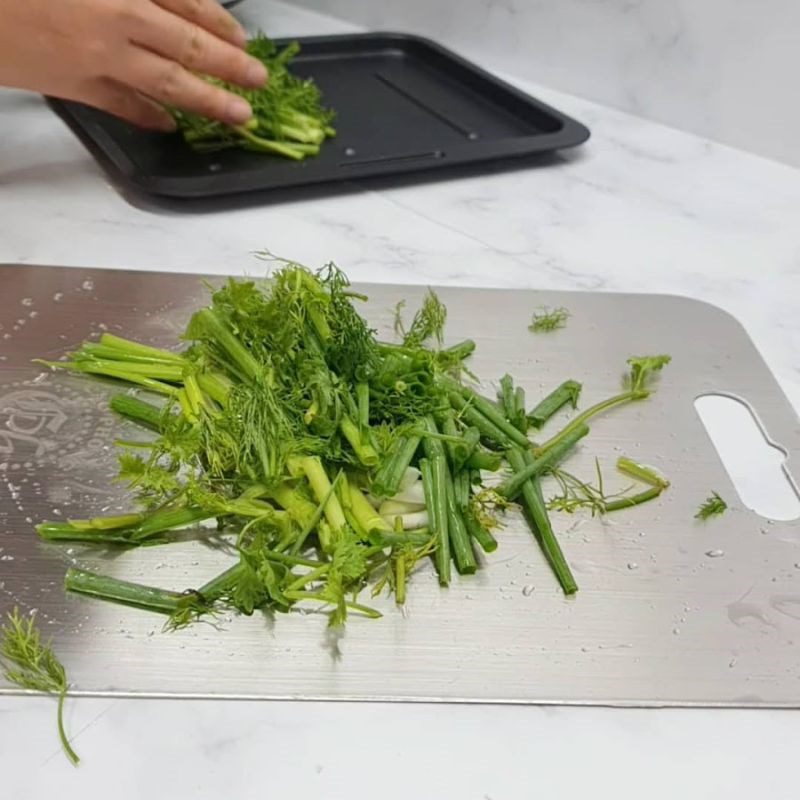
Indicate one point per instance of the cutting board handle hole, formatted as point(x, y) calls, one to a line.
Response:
point(754, 462)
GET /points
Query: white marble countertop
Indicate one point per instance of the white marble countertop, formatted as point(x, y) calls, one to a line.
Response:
point(640, 208)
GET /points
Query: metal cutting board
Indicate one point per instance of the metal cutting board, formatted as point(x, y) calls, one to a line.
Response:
point(656, 621)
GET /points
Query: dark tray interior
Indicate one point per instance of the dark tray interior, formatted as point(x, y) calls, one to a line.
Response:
point(403, 103)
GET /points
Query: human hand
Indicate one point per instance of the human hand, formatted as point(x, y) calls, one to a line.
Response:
point(129, 57)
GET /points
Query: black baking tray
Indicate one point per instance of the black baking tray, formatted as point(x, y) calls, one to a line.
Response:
point(404, 104)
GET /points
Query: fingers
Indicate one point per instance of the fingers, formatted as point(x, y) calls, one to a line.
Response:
point(209, 15)
point(191, 45)
point(169, 83)
point(126, 103)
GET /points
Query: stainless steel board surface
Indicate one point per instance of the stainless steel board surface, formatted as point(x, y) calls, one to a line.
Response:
point(657, 621)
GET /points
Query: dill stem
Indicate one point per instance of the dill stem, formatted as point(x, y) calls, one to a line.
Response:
point(382, 539)
point(566, 393)
point(119, 591)
point(436, 498)
point(169, 519)
point(320, 598)
point(460, 446)
point(216, 386)
point(461, 350)
point(585, 416)
point(364, 451)
point(309, 577)
point(436, 502)
point(460, 543)
point(206, 324)
point(362, 403)
point(633, 500)
point(537, 510)
point(366, 516)
point(647, 474)
point(128, 346)
point(387, 479)
point(472, 416)
point(269, 145)
point(300, 509)
point(155, 370)
point(132, 408)
point(114, 370)
point(62, 733)
point(492, 413)
point(491, 462)
point(400, 579)
point(482, 536)
point(538, 466)
point(324, 493)
point(512, 401)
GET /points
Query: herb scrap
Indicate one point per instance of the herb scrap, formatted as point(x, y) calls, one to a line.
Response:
point(713, 506)
point(548, 319)
point(576, 493)
point(31, 664)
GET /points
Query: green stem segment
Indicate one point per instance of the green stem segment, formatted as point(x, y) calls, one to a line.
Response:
point(568, 392)
point(482, 536)
point(492, 413)
point(206, 324)
point(512, 400)
point(460, 543)
point(364, 451)
point(127, 593)
point(537, 511)
point(538, 466)
point(633, 500)
point(145, 414)
point(127, 347)
point(435, 486)
point(62, 733)
point(387, 479)
point(639, 471)
point(585, 416)
point(472, 416)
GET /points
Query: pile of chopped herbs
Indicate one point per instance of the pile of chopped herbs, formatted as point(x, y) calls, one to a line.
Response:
point(289, 119)
point(336, 462)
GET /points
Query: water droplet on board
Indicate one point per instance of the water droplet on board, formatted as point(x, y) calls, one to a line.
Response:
point(6, 558)
point(715, 553)
point(632, 565)
point(87, 285)
point(26, 301)
point(527, 590)
point(676, 631)
point(58, 297)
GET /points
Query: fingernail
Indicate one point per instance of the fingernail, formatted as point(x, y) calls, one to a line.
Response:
point(238, 110)
point(256, 74)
